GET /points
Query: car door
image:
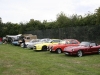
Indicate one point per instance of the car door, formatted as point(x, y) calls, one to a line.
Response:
point(87, 48)
point(94, 48)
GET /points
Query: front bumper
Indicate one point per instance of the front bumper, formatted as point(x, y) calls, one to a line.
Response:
point(37, 48)
point(70, 53)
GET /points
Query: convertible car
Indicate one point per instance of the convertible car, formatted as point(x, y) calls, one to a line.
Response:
point(83, 48)
point(58, 48)
point(43, 46)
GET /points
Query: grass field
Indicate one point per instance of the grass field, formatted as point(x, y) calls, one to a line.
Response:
point(15, 60)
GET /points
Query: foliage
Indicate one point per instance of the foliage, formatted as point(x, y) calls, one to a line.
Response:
point(98, 16)
point(62, 20)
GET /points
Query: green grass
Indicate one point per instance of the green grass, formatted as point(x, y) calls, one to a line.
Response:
point(15, 60)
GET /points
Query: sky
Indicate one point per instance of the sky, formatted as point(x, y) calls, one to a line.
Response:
point(17, 11)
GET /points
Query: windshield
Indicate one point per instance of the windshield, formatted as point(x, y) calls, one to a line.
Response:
point(34, 40)
point(54, 41)
point(62, 42)
point(68, 41)
point(84, 43)
point(44, 40)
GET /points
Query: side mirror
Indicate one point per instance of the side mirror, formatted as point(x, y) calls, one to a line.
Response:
point(90, 45)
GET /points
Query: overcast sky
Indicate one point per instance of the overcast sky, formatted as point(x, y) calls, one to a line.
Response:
point(17, 11)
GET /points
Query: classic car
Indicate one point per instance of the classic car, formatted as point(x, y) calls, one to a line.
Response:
point(32, 41)
point(30, 45)
point(83, 48)
point(43, 46)
point(58, 48)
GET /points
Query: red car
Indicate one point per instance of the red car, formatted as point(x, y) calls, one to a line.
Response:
point(64, 43)
point(83, 48)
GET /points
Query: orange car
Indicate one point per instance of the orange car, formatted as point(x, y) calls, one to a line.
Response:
point(59, 48)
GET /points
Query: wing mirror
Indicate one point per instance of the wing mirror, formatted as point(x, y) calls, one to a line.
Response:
point(90, 45)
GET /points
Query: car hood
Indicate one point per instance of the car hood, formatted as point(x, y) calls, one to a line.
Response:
point(72, 47)
point(61, 45)
point(27, 42)
point(34, 43)
point(40, 44)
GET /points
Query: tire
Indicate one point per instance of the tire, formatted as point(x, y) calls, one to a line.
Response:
point(99, 51)
point(59, 51)
point(44, 48)
point(79, 53)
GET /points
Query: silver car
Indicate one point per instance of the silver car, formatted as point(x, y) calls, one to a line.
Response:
point(30, 42)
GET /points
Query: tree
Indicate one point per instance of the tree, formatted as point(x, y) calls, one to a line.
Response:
point(75, 20)
point(0, 20)
point(22, 28)
point(34, 25)
point(1, 28)
point(62, 20)
point(98, 16)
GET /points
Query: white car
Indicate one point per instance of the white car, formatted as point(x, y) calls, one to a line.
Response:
point(30, 42)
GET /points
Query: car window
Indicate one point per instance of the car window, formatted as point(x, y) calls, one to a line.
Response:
point(27, 37)
point(62, 42)
point(56, 41)
point(84, 43)
point(74, 42)
point(93, 44)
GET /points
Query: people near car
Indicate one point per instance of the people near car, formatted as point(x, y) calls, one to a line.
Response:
point(23, 41)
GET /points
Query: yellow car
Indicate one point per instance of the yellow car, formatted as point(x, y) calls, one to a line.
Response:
point(43, 46)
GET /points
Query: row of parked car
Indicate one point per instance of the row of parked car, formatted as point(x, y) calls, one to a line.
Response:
point(66, 46)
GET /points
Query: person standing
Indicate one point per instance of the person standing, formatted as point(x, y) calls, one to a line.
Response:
point(23, 41)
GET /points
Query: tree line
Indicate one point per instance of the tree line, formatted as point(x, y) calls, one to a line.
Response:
point(89, 19)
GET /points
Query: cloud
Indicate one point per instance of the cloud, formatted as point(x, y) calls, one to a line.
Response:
point(23, 10)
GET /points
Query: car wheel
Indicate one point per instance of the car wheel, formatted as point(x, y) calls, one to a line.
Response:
point(79, 53)
point(44, 48)
point(59, 51)
point(99, 51)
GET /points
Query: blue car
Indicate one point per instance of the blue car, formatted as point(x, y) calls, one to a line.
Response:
point(16, 43)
